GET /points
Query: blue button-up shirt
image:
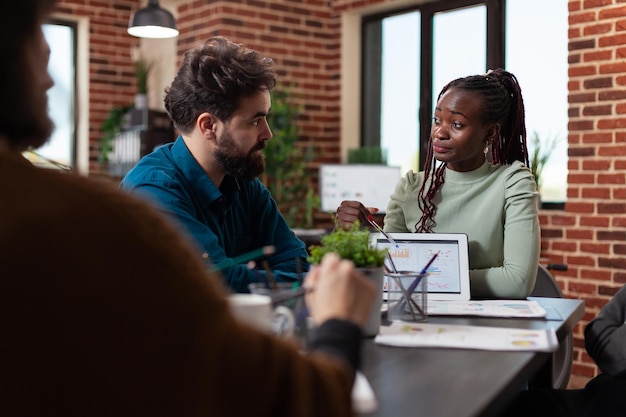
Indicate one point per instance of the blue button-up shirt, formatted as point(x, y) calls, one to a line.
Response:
point(225, 222)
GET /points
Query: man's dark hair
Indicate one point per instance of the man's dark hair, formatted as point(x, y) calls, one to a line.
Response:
point(213, 77)
point(20, 21)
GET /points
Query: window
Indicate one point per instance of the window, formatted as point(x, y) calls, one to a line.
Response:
point(538, 58)
point(408, 55)
point(61, 148)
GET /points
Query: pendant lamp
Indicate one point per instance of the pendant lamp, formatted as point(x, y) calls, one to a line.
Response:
point(152, 22)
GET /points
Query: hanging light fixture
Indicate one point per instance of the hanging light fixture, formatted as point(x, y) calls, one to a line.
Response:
point(152, 22)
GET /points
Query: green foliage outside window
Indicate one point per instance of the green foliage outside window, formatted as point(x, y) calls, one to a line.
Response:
point(540, 152)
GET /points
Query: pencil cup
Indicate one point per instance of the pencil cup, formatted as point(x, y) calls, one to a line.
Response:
point(288, 298)
point(407, 300)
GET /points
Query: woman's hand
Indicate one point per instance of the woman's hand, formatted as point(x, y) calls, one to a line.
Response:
point(350, 211)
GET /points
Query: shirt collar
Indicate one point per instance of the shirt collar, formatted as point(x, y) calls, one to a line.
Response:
point(199, 180)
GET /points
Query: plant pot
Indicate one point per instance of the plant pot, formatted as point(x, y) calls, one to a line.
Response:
point(141, 101)
point(375, 275)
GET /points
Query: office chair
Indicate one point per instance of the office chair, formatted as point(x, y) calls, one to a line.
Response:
point(546, 286)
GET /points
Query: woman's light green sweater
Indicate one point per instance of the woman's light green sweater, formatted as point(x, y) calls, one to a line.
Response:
point(496, 206)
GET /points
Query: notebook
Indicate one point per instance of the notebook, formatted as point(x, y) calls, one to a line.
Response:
point(448, 276)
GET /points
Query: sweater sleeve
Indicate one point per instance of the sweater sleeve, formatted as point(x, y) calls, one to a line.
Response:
point(396, 216)
point(515, 276)
point(341, 339)
point(605, 336)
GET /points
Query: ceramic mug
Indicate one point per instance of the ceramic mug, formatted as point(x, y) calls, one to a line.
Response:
point(256, 310)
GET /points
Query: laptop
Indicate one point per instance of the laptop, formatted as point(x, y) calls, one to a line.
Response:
point(448, 275)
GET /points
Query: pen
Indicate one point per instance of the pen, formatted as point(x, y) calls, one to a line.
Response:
point(371, 221)
point(422, 272)
point(271, 282)
point(416, 281)
point(246, 257)
point(432, 259)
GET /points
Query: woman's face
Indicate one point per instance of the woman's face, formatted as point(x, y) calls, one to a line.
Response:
point(459, 136)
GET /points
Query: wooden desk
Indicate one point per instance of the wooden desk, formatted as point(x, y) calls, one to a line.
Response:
point(437, 382)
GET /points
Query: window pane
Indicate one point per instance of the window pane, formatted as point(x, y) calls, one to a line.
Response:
point(459, 45)
point(539, 60)
point(400, 90)
point(60, 148)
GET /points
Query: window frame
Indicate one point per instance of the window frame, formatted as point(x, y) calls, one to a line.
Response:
point(371, 64)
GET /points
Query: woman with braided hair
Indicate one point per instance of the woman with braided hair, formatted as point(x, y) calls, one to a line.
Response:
point(476, 181)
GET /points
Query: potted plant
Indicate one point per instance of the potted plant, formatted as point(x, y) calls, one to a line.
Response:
point(367, 155)
point(111, 126)
point(286, 173)
point(142, 68)
point(355, 244)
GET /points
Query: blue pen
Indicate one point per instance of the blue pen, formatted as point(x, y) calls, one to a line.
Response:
point(417, 279)
point(422, 272)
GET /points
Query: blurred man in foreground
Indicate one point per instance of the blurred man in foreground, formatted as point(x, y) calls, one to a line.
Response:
point(106, 310)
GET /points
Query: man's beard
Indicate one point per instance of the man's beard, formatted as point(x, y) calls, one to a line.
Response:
point(245, 166)
point(32, 127)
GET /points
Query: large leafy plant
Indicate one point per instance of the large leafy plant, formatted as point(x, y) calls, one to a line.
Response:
point(353, 244)
point(286, 174)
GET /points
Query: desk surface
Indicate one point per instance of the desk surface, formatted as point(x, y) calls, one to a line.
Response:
point(437, 382)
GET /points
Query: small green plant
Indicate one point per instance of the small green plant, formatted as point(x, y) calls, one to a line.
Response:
point(142, 72)
point(111, 126)
point(367, 155)
point(540, 155)
point(353, 244)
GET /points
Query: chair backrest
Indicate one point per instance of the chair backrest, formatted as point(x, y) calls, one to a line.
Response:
point(546, 286)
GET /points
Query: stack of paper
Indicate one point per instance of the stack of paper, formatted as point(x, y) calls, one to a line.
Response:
point(406, 334)
point(489, 308)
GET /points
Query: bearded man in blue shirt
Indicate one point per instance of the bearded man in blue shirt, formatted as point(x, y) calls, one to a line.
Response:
point(207, 180)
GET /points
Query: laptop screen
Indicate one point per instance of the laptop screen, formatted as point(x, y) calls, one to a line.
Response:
point(448, 275)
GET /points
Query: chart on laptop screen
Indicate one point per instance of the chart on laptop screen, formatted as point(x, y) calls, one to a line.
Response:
point(448, 275)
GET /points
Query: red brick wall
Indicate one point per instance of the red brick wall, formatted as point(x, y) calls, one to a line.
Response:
point(111, 79)
point(590, 235)
point(304, 39)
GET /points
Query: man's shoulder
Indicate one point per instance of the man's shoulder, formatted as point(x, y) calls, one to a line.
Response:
point(158, 166)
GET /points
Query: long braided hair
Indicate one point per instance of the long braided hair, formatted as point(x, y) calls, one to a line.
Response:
point(502, 103)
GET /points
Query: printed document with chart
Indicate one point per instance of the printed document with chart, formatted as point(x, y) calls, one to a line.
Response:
point(406, 334)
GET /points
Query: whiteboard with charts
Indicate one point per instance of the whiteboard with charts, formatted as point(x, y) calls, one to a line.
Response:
point(370, 184)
